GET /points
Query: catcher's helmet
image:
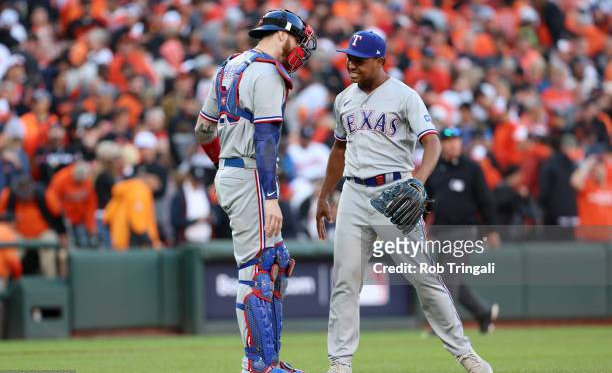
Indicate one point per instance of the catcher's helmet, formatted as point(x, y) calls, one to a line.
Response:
point(280, 20)
point(285, 20)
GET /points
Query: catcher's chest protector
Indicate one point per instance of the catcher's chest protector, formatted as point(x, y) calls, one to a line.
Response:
point(228, 99)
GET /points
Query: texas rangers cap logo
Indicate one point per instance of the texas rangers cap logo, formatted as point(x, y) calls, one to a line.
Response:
point(365, 44)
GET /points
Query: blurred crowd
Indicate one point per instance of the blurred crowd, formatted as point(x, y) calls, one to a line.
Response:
point(98, 100)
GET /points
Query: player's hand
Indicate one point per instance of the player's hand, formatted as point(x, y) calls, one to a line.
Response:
point(323, 212)
point(274, 218)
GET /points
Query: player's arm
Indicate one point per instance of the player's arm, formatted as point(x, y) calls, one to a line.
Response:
point(269, 98)
point(205, 130)
point(333, 174)
point(334, 171)
point(431, 144)
point(206, 126)
point(416, 114)
point(579, 177)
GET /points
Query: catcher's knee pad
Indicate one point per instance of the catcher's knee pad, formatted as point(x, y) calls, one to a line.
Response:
point(285, 269)
point(261, 346)
point(285, 265)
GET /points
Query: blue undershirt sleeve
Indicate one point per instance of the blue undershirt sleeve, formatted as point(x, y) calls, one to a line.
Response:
point(267, 137)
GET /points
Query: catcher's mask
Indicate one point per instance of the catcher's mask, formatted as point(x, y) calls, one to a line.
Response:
point(285, 20)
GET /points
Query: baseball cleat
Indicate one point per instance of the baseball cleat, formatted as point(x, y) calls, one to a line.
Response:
point(337, 367)
point(260, 367)
point(286, 366)
point(474, 363)
point(487, 323)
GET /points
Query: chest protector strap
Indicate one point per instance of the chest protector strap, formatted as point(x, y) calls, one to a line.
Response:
point(228, 99)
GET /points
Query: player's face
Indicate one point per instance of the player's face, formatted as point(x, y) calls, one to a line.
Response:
point(290, 44)
point(362, 69)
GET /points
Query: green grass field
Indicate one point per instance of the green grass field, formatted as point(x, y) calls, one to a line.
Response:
point(545, 350)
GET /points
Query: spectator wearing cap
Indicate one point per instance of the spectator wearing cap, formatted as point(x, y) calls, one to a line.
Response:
point(38, 122)
point(36, 217)
point(593, 183)
point(150, 165)
point(462, 199)
point(190, 207)
point(53, 155)
point(73, 186)
point(147, 143)
point(109, 169)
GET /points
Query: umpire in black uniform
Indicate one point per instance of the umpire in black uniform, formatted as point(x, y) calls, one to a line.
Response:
point(462, 201)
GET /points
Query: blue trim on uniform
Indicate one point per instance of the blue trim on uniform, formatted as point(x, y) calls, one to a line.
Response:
point(248, 283)
point(377, 180)
point(208, 116)
point(428, 131)
point(275, 118)
point(233, 162)
point(253, 261)
point(339, 138)
point(240, 306)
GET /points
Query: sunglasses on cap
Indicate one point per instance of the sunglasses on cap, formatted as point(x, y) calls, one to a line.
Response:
point(450, 132)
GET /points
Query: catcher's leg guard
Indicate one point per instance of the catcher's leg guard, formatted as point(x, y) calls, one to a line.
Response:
point(255, 308)
point(285, 270)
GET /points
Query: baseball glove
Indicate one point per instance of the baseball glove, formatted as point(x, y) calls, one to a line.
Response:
point(404, 202)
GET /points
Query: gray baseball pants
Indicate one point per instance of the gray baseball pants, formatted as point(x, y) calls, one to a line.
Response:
point(358, 225)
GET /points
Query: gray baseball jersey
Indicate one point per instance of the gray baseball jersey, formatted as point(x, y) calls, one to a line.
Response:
point(261, 91)
point(381, 128)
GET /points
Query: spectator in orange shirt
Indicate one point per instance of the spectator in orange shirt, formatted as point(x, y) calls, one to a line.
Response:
point(130, 214)
point(36, 218)
point(509, 140)
point(428, 71)
point(10, 266)
point(558, 96)
point(130, 59)
point(593, 181)
point(37, 122)
point(74, 188)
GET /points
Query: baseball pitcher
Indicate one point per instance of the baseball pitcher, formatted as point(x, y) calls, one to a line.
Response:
point(378, 122)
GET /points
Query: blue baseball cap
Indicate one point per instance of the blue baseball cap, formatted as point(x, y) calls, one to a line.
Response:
point(365, 44)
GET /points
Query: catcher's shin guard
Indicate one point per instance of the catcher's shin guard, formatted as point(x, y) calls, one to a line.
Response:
point(285, 270)
point(256, 309)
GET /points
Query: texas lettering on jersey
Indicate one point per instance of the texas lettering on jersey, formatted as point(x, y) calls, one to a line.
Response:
point(371, 120)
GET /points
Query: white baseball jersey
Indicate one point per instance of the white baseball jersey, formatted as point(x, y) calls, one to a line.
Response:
point(261, 91)
point(381, 128)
